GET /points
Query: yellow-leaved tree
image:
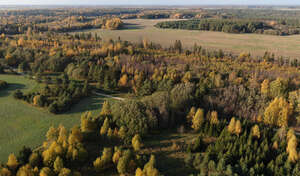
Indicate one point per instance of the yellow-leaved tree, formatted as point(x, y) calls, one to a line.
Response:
point(105, 111)
point(87, 122)
point(123, 80)
point(238, 127)
point(12, 162)
point(104, 127)
point(117, 155)
point(255, 131)
point(26, 170)
point(58, 164)
point(231, 126)
point(191, 114)
point(265, 87)
point(139, 172)
point(52, 134)
point(136, 142)
point(278, 112)
point(292, 147)
point(149, 168)
point(122, 132)
point(104, 161)
point(214, 118)
point(5, 172)
point(198, 119)
point(187, 77)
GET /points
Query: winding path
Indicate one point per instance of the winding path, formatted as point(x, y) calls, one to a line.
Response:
point(109, 96)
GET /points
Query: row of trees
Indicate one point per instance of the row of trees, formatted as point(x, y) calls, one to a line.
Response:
point(23, 25)
point(229, 26)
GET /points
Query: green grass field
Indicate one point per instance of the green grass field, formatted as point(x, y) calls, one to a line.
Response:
point(138, 29)
point(23, 124)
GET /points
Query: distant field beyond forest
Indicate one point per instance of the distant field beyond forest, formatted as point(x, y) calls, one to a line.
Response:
point(138, 29)
point(23, 124)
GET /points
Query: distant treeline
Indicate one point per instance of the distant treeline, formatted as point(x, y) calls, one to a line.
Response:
point(10, 25)
point(87, 12)
point(229, 26)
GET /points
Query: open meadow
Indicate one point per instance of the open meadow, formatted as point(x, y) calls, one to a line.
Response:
point(23, 124)
point(138, 29)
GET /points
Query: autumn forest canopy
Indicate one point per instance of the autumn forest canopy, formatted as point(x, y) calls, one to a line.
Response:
point(168, 110)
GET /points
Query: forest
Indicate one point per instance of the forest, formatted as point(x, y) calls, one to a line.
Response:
point(231, 26)
point(58, 97)
point(235, 114)
point(23, 22)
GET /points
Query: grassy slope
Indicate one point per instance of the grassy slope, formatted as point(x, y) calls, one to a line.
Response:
point(23, 124)
point(257, 44)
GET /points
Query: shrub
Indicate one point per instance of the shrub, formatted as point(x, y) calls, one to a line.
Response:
point(3, 84)
point(18, 94)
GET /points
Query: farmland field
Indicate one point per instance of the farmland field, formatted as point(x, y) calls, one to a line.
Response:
point(27, 125)
point(138, 29)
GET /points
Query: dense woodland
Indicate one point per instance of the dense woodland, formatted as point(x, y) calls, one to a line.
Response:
point(64, 20)
point(13, 26)
point(232, 26)
point(242, 111)
point(57, 97)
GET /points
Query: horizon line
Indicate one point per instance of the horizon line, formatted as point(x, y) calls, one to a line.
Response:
point(182, 5)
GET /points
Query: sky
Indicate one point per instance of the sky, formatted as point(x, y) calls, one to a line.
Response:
point(149, 2)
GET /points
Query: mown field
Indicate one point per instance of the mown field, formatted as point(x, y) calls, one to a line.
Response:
point(138, 29)
point(23, 124)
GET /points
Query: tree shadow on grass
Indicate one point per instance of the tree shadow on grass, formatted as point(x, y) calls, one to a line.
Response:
point(131, 26)
point(11, 87)
point(155, 140)
point(172, 166)
point(87, 104)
